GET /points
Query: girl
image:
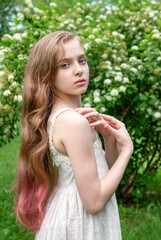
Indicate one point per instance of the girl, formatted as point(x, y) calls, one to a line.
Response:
point(79, 202)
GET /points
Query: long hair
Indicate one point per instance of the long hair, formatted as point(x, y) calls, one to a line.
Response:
point(37, 177)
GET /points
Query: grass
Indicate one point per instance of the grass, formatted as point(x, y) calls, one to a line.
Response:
point(136, 224)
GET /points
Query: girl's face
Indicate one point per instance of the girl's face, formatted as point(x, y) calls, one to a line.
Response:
point(72, 75)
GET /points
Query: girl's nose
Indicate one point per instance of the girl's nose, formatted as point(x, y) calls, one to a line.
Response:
point(78, 69)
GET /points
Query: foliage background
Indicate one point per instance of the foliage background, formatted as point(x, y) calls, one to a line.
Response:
point(122, 43)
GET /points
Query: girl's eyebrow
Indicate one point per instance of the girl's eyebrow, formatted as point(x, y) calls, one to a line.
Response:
point(68, 59)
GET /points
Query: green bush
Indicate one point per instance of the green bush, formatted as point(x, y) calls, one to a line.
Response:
point(122, 44)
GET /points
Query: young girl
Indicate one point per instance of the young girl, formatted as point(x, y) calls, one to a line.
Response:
point(79, 202)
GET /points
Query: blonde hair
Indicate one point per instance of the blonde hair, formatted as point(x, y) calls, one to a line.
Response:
point(37, 176)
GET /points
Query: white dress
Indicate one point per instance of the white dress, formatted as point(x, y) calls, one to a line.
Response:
point(66, 218)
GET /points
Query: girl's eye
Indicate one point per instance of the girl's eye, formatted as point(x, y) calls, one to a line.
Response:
point(83, 61)
point(65, 65)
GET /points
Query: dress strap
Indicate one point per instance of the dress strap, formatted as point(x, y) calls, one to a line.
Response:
point(51, 124)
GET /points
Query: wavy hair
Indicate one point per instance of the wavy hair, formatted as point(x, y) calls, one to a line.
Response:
point(37, 177)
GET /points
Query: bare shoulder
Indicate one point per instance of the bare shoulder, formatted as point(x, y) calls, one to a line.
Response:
point(72, 119)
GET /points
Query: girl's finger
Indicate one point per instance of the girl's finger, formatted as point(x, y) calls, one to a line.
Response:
point(93, 114)
point(98, 123)
point(115, 122)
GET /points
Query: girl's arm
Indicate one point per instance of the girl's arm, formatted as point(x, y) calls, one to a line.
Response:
point(76, 136)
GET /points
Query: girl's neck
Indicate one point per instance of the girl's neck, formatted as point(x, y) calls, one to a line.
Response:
point(73, 103)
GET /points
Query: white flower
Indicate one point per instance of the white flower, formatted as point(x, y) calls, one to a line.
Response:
point(15, 98)
point(107, 74)
point(124, 65)
point(135, 48)
point(122, 89)
point(103, 109)
point(29, 3)
point(6, 37)
point(97, 79)
point(149, 110)
point(133, 59)
point(118, 78)
point(17, 36)
point(114, 56)
point(122, 36)
point(107, 81)
point(104, 56)
point(6, 130)
point(24, 35)
point(125, 80)
point(134, 70)
point(96, 93)
point(157, 114)
point(91, 37)
point(115, 33)
point(1, 85)
point(86, 46)
point(98, 40)
point(119, 73)
point(6, 92)
point(114, 92)
point(119, 59)
point(108, 63)
point(14, 84)
point(20, 16)
point(97, 99)
point(140, 67)
point(159, 58)
point(87, 105)
point(1, 73)
point(36, 33)
point(87, 99)
point(109, 98)
point(27, 11)
point(19, 98)
point(95, 30)
point(10, 77)
point(157, 36)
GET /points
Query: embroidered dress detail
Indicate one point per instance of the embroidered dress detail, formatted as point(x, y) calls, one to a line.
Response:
point(65, 217)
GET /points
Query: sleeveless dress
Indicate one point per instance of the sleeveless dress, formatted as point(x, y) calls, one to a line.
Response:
point(65, 217)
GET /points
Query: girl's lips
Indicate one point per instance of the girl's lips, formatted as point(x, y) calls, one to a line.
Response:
point(80, 82)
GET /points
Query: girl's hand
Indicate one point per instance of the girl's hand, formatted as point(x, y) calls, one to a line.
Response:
point(107, 126)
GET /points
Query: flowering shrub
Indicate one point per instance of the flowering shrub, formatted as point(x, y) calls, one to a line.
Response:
point(122, 44)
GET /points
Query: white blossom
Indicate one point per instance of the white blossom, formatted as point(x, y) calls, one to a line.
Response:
point(118, 78)
point(14, 84)
point(19, 98)
point(115, 33)
point(107, 81)
point(157, 36)
point(95, 30)
point(6, 93)
point(97, 79)
point(104, 56)
point(91, 37)
point(107, 74)
point(20, 16)
point(125, 80)
point(103, 109)
point(159, 58)
point(134, 70)
point(122, 89)
point(96, 93)
point(97, 99)
point(87, 105)
point(135, 48)
point(149, 110)
point(109, 98)
point(10, 77)
point(124, 65)
point(98, 40)
point(1, 73)
point(157, 115)
point(15, 98)
point(133, 59)
point(17, 36)
point(6, 37)
point(114, 92)
point(140, 67)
